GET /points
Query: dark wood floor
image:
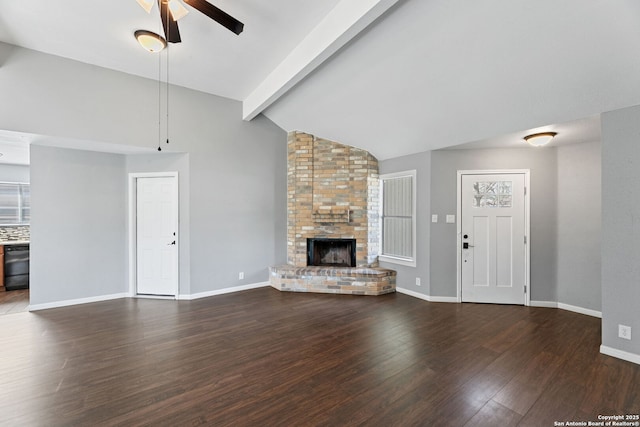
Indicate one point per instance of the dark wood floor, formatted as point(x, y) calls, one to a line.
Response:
point(14, 301)
point(265, 358)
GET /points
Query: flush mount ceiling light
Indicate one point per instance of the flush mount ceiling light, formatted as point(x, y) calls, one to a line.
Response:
point(150, 41)
point(540, 139)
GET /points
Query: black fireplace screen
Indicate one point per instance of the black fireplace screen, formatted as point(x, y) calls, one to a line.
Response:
point(331, 252)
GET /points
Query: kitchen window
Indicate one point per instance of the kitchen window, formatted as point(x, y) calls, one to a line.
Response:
point(15, 203)
point(398, 218)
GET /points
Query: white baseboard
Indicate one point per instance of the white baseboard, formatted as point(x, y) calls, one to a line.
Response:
point(167, 297)
point(66, 303)
point(580, 310)
point(223, 291)
point(543, 304)
point(413, 294)
point(568, 307)
point(444, 299)
point(620, 354)
point(426, 297)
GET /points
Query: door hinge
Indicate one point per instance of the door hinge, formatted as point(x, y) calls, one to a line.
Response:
point(525, 240)
point(525, 289)
point(525, 191)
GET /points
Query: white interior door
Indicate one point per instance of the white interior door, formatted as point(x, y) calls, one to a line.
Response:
point(156, 236)
point(492, 233)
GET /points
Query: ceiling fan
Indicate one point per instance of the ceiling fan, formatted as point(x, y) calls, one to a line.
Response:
point(172, 10)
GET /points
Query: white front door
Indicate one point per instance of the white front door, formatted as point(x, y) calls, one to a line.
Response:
point(492, 238)
point(156, 236)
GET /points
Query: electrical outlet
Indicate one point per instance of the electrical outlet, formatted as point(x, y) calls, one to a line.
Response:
point(241, 275)
point(434, 218)
point(417, 281)
point(624, 332)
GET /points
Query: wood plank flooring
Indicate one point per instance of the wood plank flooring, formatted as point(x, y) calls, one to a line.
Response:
point(14, 301)
point(265, 358)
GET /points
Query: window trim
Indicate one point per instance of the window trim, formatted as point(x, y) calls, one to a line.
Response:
point(411, 261)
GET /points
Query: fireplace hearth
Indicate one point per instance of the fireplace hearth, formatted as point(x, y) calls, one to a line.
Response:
point(331, 252)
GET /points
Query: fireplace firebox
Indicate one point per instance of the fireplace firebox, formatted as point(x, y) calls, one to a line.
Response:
point(331, 252)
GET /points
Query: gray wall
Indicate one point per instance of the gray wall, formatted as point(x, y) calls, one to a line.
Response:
point(14, 173)
point(542, 163)
point(237, 169)
point(407, 275)
point(237, 207)
point(579, 224)
point(565, 219)
point(78, 224)
point(620, 227)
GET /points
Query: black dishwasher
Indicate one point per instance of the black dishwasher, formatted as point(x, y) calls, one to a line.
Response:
point(16, 267)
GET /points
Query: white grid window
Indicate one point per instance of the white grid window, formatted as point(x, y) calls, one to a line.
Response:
point(398, 218)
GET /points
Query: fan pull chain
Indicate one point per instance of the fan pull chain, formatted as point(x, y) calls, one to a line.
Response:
point(159, 100)
point(160, 91)
point(167, 86)
point(167, 92)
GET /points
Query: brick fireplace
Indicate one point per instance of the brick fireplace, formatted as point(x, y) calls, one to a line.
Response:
point(332, 196)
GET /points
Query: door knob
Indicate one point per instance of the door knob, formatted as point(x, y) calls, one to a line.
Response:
point(466, 245)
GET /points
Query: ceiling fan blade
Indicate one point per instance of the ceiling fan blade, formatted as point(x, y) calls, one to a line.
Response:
point(171, 32)
point(217, 15)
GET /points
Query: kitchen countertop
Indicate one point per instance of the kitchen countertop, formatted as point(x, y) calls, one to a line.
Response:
point(14, 242)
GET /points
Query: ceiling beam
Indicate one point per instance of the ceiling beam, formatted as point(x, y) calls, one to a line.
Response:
point(342, 24)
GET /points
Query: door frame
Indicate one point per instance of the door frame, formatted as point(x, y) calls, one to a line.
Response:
point(133, 246)
point(527, 226)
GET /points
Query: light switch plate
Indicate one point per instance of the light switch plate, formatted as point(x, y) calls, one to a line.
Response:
point(434, 218)
point(451, 219)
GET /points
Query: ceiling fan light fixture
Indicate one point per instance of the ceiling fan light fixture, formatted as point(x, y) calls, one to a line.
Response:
point(152, 42)
point(146, 4)
point(540, 139)
point(178, 11)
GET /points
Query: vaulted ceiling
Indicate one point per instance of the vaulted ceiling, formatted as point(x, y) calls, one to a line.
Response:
point(391, 76)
